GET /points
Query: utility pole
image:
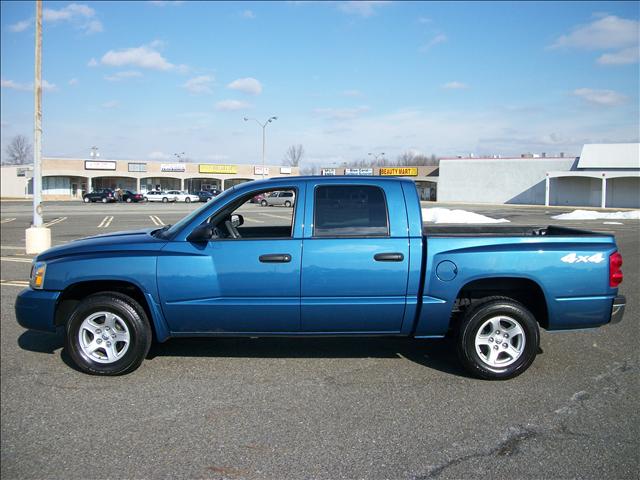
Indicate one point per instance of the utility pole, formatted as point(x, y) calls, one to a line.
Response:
point(38, 238)
point(264, 127)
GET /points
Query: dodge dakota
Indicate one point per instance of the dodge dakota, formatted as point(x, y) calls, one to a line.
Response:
point(353, 258)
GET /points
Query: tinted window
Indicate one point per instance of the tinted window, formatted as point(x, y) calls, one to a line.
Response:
point(348, 210)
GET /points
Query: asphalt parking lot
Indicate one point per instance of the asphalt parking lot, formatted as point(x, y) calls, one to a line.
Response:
point(313, 408)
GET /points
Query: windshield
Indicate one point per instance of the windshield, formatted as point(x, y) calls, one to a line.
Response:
point(168, 233)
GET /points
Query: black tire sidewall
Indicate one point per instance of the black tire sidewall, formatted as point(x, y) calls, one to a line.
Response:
point(474, 320)
point(131, 313)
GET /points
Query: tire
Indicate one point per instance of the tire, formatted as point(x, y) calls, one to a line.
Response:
point(517, 342)
point(104, 200)
point(90, 324)
point(287, 204)
point(145, 199)
point(86, 199)
point(165, 199)
point(263, 203)
point(128, 200)
point(187, 200)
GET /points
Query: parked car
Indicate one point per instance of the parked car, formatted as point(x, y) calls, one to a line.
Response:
point(183, 196)
point(129, 196)
point(284, 199)
point(157, 196)
point(104, 195)
point(258, 198)
point(204, 195)
point(357, 260)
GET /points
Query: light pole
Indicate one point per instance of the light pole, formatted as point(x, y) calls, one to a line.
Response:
point(179, 156)
point(94, 154)
point(264, 127)
point(376, 156)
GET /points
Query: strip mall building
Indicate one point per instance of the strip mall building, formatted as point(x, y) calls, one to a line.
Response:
point(64, 179)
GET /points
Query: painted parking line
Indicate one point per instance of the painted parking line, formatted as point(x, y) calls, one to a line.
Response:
point(7, 220)
point(15, 259)
point(281, 217)
point(156, 220)
point(14, 283)
point(55, 222)
point(12, 247)
point(106, 221)
point(253, 220)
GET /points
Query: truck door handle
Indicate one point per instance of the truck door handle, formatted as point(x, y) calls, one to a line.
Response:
point(388, 257)
point(275, 258)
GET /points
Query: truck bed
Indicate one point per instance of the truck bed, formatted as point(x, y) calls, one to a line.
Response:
point(430, 230)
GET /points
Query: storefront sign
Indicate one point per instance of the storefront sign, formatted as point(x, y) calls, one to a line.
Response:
point(173, 167)
point(209, 168)
point(328, 171)
point(24, 172)
point(399, 171)
point(285, 170)
point(137, 167)
point(358, 171)
point(92, 165)
point(261, 170)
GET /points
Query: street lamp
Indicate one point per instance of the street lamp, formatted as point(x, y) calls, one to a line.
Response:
point(94, 152)
point(179, 156)
point(264, 126)
point(376, 156)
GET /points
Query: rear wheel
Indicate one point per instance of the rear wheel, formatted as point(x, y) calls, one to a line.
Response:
point(498, 339)
point(165, 199)
point(108, 334)
point(287, 203)
point(187, 200)
point(104, 200)
point(128, 200)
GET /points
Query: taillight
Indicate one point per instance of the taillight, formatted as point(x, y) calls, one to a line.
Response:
point(615, 272)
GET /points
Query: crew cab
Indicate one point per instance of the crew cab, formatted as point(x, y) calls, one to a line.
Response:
point(352, 257)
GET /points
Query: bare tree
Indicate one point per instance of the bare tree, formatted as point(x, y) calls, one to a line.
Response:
point(19, 151)
point(309, 170)
point(293, 155)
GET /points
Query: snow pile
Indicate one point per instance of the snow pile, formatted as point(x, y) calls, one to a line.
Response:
point(591, 215)
point(444, 215)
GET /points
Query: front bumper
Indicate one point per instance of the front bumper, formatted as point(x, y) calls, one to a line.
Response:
point(35, 309)
point(617, 310)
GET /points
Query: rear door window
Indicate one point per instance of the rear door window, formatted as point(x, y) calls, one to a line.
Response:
point(350, 211)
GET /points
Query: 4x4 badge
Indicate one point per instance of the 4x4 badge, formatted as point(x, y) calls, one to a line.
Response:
point(573, 258)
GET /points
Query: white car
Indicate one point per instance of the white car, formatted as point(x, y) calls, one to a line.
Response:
point(183, 196)
point(156, 196)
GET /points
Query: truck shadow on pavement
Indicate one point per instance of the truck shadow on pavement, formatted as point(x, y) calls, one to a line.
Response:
point(434, 354)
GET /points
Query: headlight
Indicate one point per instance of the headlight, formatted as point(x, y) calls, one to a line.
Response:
point(36, 280)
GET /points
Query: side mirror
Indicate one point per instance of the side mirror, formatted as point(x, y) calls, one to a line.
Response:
point(237, 220)
point(202, 233)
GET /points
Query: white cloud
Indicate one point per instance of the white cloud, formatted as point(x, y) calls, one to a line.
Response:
point(111, 104)
point(606, 98)
point(73, 81)
point(21, 26)
point(246, 85)
point(607, 32)
point(248, 14)
point(157, 155)
point(142, 57)
point(341, 113)
point(361, 8)
point(440, 38)
point(455, 85)
point(26, 87)
point(71, 11)
point(424, 20)
point(200, 85)
point(232, 105)
point(625, 56)
point(92, 63)
point(94, 26)
point(118, 76)
point(352, 93)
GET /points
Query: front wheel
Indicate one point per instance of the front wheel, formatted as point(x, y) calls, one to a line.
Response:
point(108, 334)
point(165, 199)
point(187, 200)
point(263, 203)
point(128, 200)
point(287, 204)
point(86, 200)
point(104, 200)
point(498, 339)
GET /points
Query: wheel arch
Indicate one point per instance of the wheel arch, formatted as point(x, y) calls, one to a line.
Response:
point(524, 290)
point(75, 293)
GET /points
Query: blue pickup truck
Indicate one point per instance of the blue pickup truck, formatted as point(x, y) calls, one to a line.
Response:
point(352, 257)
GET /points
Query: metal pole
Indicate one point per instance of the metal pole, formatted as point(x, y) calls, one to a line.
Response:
point(264, 129)
point(37, 130)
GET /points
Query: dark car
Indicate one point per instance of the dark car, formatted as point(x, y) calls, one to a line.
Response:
point(205, 196)
point(104, 195)
point(129, 196)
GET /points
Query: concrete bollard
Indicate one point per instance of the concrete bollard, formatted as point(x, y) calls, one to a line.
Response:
point(38, 240)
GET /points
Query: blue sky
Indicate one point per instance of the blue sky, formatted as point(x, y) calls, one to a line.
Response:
point(144, 80)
